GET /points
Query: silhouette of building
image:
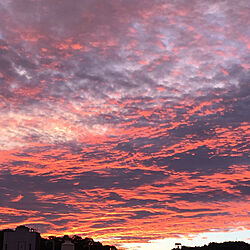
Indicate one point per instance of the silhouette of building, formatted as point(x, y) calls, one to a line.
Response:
point(68, 245)
point(109, 248)
point(23, 238)
point(178, 245)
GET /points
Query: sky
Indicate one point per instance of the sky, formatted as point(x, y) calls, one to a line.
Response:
point(126, 120)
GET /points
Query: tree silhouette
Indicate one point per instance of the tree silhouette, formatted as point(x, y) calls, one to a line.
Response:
point(230, 245)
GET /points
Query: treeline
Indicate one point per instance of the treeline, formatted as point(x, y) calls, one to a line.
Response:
point(230, 245)
point(54, 243)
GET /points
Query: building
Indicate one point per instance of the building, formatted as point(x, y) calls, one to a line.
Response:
point(22, 238)
point(68, 245)
point(109, 248)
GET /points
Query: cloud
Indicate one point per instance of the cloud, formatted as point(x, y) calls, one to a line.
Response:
point(132, 112)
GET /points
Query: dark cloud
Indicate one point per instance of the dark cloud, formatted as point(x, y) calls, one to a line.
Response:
point(143, 214)
point(207, 196)
point(109, 223)
point(203, 215)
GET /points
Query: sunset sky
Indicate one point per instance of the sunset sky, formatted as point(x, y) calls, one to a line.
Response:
point(126, 120)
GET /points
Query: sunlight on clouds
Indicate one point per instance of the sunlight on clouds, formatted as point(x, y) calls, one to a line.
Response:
point(55, 127)
point(125, 121)
point(22, 72)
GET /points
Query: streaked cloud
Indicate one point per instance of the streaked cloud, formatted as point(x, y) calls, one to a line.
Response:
point(125, 120)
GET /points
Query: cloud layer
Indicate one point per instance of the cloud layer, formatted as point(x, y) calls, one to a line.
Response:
point(126, 120)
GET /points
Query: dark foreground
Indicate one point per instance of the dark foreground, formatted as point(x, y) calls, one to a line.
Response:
point(230, 245)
